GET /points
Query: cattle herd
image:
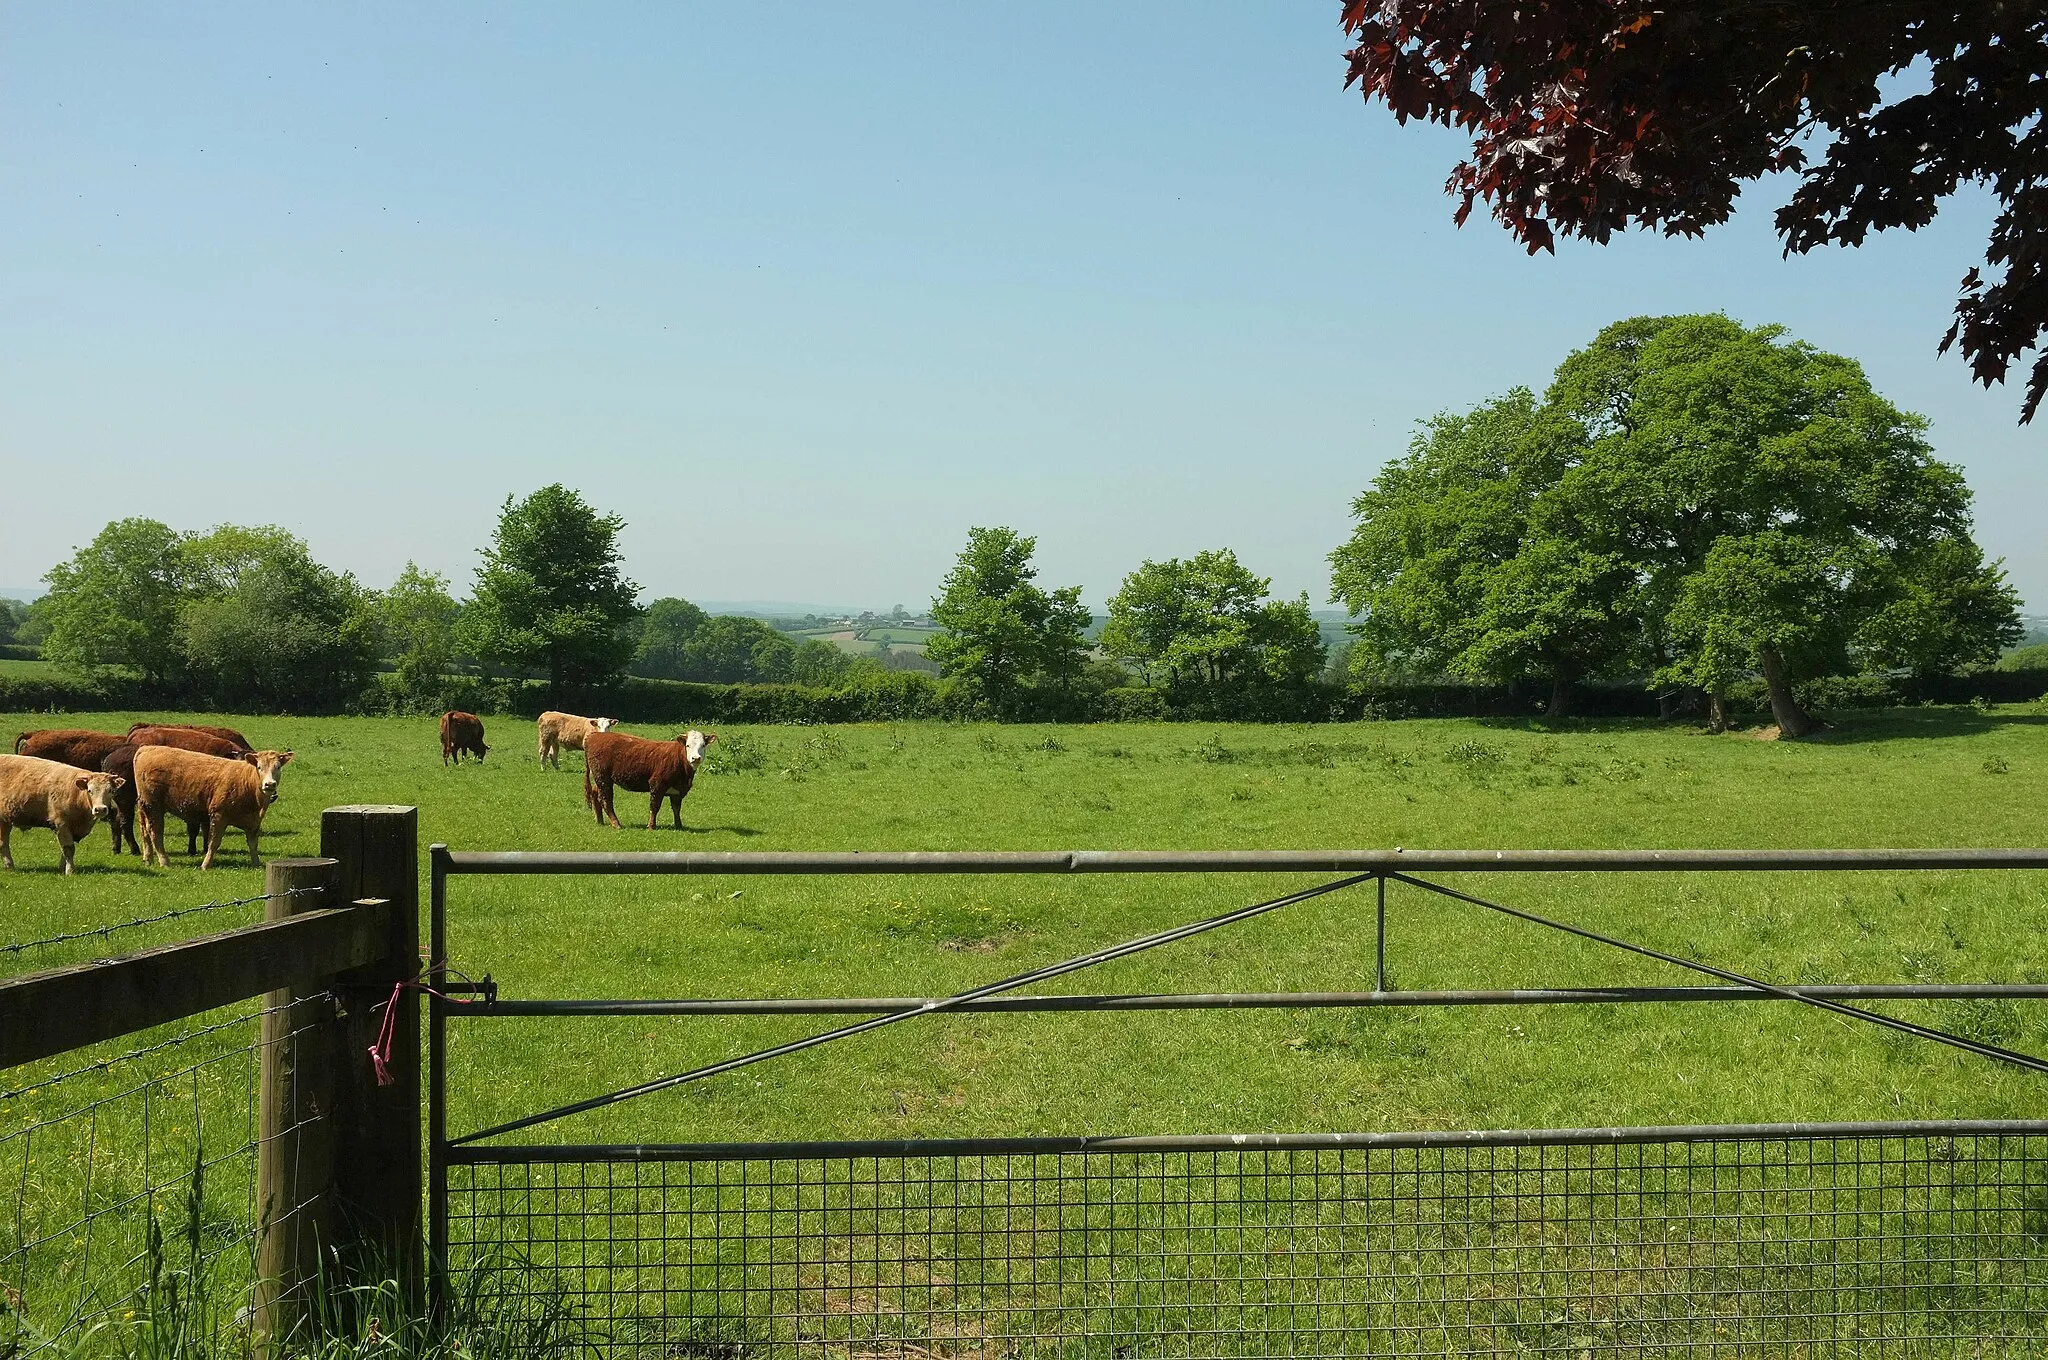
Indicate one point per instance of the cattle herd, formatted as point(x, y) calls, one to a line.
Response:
point(663, 770)
point(214, 778)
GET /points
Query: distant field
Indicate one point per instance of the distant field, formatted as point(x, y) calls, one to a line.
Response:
point(862, 644)
point(38, 669)
point(1919, 778)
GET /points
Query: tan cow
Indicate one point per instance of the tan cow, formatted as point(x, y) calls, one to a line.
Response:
point(201, 788)
point(49, 793)
point(561, 732)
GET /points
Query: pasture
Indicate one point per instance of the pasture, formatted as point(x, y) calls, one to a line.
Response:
point(1912, 778)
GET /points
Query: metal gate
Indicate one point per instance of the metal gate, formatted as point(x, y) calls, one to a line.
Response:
point(1868, 1239)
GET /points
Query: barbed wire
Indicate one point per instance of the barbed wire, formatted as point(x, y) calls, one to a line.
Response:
point(101, 932)
point(175, 1041)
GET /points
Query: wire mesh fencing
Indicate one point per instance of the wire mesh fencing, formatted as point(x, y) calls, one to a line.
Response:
point(128, 1213)
point(1853, 1244)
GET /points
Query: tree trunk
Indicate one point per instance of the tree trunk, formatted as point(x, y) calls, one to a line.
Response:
point(1560, 695)
point(1717, 709)
point(1793, 721)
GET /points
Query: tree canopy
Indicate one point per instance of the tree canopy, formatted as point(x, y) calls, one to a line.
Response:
point(1588, 117)
point(1204, 630)
point(1692, 498)
point(1002, 632)
point(116, 602)
point(416, 620)
point(550, 594)
point(267, 628)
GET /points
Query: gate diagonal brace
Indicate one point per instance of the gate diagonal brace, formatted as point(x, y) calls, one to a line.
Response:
point(1940, 1036)
point(1026, 979)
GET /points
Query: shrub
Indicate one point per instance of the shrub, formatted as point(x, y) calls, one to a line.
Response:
point(1133, 703)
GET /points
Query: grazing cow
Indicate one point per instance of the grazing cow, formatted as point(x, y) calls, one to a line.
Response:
point(461, 732)
point(36, 792)
point(226, 734)
point(187, 739)
point(121, 762)
point(75, 746)
point(561, 732)
point(223, 793)
point(659, 769)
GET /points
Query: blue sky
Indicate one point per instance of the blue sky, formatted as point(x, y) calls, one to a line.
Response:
point(804, 294)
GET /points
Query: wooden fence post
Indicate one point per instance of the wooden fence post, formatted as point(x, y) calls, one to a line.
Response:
point(295, 1141)
point(377, 1128)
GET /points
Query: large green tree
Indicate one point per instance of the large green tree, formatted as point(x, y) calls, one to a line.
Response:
point(416, 619)
point(268, 629)
point(1205, 630)
point(116, 602)
point(1456, 567)
point(666, 629)
point(732, 649)
point(1693, 498)
point(550, 595)
point(1016, 643)
point(1776, 510)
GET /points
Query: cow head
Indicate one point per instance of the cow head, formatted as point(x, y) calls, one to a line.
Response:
point(694, 743)
point(99, 793)
point(269, 764)
point(603, 724)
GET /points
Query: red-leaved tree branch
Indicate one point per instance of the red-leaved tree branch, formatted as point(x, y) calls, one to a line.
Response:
point(1592, 116)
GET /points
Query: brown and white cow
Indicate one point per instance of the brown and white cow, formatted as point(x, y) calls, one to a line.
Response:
point(461, 732)
point(52, 794)
point(561, 732)
point(221, 793)
point(659, 769)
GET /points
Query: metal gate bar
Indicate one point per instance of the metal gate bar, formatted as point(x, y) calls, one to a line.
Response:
point(1866, 1239)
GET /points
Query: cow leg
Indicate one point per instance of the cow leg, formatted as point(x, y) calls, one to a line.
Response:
point(214, 827)
point(6, 854)
point(191, 838)
point(153, 836)
point(127, 816)
point(114, 825)
point(66, 846)
point(654, 798)
point(611, 813)
point(251, 833)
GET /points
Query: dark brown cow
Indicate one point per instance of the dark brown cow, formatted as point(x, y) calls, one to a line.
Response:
point(659, 769)
point(187, 739)
point(121, 763)
point(77, 746)
point(227, 734)
point(461, 732)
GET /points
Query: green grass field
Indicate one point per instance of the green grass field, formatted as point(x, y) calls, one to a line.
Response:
point(1925, 778)
point(1921, 778)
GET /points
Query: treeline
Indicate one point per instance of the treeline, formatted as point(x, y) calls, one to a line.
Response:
point(1695, 517)
point(245, 619)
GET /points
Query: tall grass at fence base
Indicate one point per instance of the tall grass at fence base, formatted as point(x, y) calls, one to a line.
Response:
point(501, 1307)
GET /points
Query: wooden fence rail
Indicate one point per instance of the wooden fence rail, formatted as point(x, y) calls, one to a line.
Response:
point(338, 1151)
